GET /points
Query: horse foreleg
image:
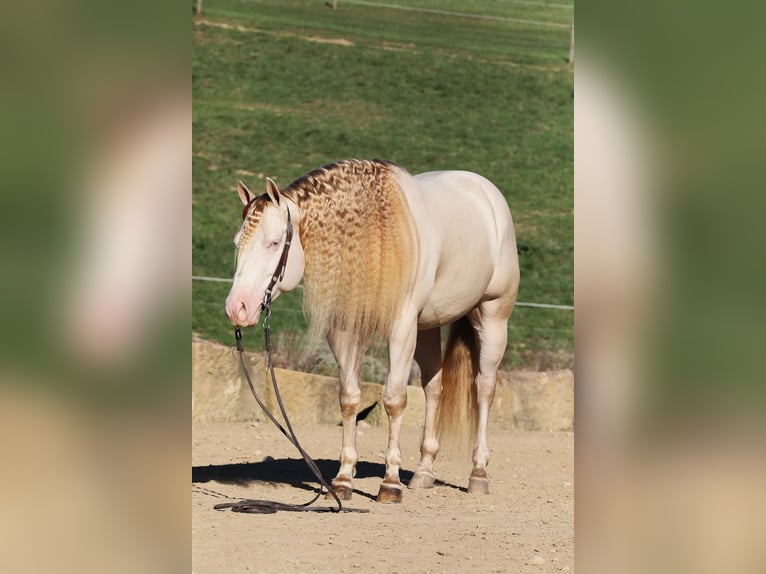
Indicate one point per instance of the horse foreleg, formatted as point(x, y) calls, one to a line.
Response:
point(348, 355)
point(492, 332)
point(428, 357)
point(401, 348)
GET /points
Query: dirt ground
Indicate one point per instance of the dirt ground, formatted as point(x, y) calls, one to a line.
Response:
point(525, 524)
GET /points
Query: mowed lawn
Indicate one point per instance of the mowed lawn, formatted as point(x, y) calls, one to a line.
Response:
point(282, 87)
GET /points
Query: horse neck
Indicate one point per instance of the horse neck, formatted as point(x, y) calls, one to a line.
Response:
point(317, 192)
point(313, 207)
point(354, 225)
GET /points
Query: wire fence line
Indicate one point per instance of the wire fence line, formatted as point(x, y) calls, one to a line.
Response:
point(218, 304)
point(543, 4)
point(518, 303)
point(459, 14)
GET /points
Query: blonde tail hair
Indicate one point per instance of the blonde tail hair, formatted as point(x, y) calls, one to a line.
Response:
point(458, 416)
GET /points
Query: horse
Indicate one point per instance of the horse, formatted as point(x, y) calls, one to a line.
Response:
point(385, 252)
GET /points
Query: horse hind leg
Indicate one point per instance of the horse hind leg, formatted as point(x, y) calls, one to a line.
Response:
point(491, 325)
point(428, 357)
point(348, 355)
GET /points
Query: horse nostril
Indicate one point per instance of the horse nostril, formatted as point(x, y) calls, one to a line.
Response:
point(242, 311)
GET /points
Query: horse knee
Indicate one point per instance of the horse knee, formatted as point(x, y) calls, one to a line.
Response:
point(349, 401)
point(395, 403)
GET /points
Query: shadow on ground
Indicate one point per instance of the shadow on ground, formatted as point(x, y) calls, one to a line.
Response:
point(292, 472)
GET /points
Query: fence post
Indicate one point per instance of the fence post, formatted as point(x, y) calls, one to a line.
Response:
point(571, 46)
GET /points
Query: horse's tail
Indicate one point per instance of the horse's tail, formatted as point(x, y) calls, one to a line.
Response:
point(458, 417)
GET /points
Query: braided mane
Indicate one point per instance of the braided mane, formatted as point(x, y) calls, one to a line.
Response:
point(360, 245)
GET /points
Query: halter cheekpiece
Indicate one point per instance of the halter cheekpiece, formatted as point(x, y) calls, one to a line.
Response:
point(279, 272)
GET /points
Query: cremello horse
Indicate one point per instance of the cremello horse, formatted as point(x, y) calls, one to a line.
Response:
point(386, 252)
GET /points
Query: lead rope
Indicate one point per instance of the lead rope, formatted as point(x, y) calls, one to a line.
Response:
point(268, 506)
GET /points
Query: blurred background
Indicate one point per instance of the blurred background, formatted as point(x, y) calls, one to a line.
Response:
point(95, 151)
point(669, 317)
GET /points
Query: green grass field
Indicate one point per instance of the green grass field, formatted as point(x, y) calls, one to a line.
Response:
point(282, 87)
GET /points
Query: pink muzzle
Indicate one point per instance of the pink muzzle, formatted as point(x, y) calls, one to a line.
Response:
point(243, 310)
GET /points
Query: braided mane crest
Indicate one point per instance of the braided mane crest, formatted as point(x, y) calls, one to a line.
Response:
point(360, 244)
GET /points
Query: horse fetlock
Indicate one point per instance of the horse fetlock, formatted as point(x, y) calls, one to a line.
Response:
point(429, 447)
point(480, 459)
point(348, 459)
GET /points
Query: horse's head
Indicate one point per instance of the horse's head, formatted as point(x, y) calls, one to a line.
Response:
point(260, 243)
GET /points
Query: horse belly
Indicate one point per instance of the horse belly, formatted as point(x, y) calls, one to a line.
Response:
point(459, 243)
point(445, 310)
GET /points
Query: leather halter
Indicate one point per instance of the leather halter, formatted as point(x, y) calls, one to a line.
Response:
point(279, 272)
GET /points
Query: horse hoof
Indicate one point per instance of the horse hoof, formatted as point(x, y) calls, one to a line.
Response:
point(421, 480)
point(478, 485)
point(390, 493)
point(342, 491)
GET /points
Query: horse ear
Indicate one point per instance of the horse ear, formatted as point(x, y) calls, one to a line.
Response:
point(272, 190)
point(244, 193)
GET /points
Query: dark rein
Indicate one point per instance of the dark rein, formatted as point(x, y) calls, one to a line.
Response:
point(268, 506)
